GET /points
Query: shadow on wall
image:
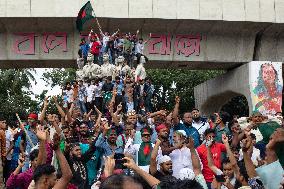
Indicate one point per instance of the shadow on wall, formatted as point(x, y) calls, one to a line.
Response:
point(229, 101)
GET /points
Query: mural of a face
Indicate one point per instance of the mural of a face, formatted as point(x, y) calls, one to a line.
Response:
point(268, 74)
point(90, 57)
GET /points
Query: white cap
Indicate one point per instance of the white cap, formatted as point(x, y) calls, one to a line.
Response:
point(164, 159)
point(182, 132)
point(186, 173)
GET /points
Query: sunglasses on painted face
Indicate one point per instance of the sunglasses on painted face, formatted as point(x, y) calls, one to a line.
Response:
point(146, 135)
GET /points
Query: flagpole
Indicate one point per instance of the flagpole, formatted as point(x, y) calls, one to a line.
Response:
point(98, 23)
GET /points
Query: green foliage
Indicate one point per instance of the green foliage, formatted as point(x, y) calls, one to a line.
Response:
point(59, 76)
point(15, 94)
point(185, 80)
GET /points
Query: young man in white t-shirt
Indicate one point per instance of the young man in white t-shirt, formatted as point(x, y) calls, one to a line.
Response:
point(90, 95)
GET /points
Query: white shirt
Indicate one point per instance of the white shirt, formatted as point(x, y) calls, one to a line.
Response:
point(9, 138)
point(69, 95)
point(98, 90)
point(105, 40)
point(181, 158)
point(139, 48)
point(90, 93)
point(201, 127)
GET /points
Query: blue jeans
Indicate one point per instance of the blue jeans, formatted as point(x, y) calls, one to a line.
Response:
point(82, 106)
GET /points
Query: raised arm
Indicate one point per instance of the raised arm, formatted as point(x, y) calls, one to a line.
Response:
point(194, 157)
point(275, 138)
point(152, 181)
point(65, 168)
point(210, 159)
point(60, 110)
point(176, 111)
point(99, 116)
point(42, 136)
point(247, 152)
point(45, 105)
point(153, 161)
point(230, 154)
point(115, 115)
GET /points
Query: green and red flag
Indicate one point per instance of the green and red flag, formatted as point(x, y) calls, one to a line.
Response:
point(86, 13)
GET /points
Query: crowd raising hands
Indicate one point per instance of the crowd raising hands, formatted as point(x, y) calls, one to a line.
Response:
point(117, 145)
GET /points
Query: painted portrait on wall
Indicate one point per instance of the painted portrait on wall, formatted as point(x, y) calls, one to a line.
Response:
point(266, 87)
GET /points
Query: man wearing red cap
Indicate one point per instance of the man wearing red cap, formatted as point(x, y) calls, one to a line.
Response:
point(163, 136)
point(31, 138)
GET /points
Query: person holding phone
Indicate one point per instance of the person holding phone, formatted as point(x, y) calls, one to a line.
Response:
point(216, 149)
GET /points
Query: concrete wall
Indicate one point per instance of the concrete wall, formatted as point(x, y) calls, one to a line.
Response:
point(228, 10)
point(250, 80)
point(211, 95)
point(223, 45)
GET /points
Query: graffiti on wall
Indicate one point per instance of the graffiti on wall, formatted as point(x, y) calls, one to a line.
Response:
point(267, 85)
point(159, 44)
point(165, 44)
point(24, 43)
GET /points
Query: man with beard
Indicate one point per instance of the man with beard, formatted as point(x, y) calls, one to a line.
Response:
point(186, 125)
point(165, 163)
point(84, 133)
point(200, 124)
point(163, 136)
point(107, 140)
point(93, 164)
point(78, 162)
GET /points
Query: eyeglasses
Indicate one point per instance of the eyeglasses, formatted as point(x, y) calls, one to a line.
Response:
point(146, 135)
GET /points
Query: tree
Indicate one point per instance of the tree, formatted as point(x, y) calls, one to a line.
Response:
point(59, 76)
point(185, 80)
point(15, 93)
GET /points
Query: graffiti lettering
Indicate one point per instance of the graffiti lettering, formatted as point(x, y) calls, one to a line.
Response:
point(163, 40)
point(183, 44)
point(187, 45)
point(52, 40)
point(24, 44)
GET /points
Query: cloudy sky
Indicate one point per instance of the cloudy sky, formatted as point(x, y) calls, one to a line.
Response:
point(41, 84)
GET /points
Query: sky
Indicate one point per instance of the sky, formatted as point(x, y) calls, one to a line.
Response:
point(41, 84)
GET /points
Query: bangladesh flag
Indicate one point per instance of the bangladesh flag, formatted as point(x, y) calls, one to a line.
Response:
point(86, 13)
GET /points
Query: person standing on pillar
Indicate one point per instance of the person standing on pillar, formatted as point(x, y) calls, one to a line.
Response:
point(199, 123)
point(186, 125)
point(82, 94)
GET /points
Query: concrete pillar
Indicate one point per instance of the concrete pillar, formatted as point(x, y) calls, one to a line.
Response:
point(250, 80)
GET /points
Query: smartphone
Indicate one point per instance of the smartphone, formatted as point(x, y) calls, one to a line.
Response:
point(119, 161)
point(220, 178)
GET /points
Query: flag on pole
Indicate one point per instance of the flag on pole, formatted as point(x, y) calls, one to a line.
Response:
point(86, 13)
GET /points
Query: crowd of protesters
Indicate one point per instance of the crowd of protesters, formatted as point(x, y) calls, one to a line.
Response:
point(121, 147)
point(128, 45)
point(109, 133)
